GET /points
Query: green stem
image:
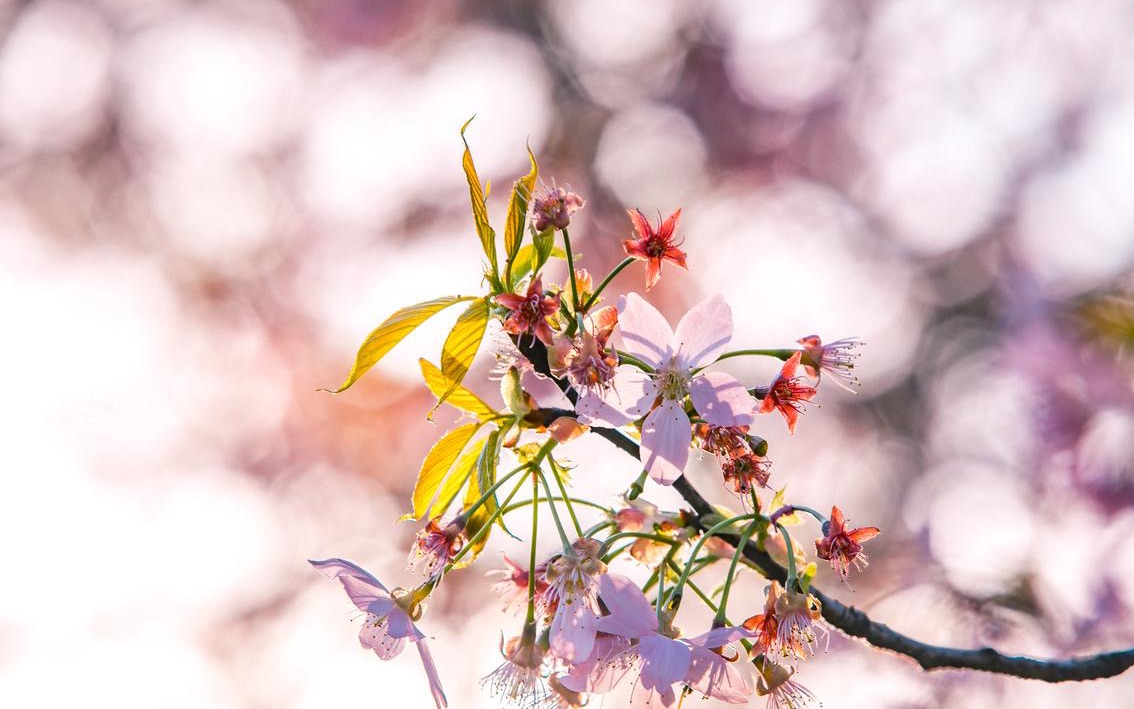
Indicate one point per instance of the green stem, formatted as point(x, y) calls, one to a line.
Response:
point(571, 272)
point(574, 500)
point(638, 486)
point(724, 524)
point(532, 558)
point(563, 490)
point(627, 358)
point(748, 532)
point(487, 526)
point(468, 512)
point(778, 354)
point(637, 535)
point(792, 583)
point(567, 550)
point(605, 282)
point(595, 529)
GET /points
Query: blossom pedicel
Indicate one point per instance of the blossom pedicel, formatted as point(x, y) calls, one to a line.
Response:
point(570, 368)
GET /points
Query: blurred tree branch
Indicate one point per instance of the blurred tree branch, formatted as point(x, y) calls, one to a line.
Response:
point(849, 619)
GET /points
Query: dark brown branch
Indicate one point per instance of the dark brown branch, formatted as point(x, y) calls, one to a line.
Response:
point(851, 620)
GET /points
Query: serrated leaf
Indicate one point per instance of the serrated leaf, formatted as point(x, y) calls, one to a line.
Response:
point(479, 209)
point(461, 346)
point(458, 396)
point(392, 331)
point(530, 259)
point(517, 217)
point(457, 478)
point(437, 464)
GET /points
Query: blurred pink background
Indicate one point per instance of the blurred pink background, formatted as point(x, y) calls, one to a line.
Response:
point(206, 206)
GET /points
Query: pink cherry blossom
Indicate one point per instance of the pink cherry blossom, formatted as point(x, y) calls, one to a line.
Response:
point(387, 626)
point(572, 582)
point(675, 358)
point(712, 672)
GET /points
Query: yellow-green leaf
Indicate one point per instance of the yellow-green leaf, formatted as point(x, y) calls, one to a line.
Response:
point(517, 216)
point(484, 479)
point(531, 258)
point(391, 332)
point(457, 478)
point(458, 396)
point(437, 464)
point(461, 346)
point(479, 209)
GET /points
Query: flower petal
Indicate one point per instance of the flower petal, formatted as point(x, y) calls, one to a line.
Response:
point(664, 661)
point(645, 333)
point(402, 627)
point(703, 333)
point(719, 637)
point(666, 434)
point(714, 676)
point(631, 615)
point(631, 396)
point(573, 631)
point(722, 400)
point(367, 592)
point(431, 672)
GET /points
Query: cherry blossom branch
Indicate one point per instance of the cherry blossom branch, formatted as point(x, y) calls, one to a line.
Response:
point(849, 619)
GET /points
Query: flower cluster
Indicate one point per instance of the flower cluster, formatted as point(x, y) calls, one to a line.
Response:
point(568, 366)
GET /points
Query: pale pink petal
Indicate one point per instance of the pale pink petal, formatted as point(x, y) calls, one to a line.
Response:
point(631, 615)
point(606, 666)
point(643, 698)
point(719, 637)
point(365, 591)
point(666, 435)
point(632, 395)
point(664, 661)
point(645, 333)
point(714, 676)
point(431, 673)
point(572, 636)
point(722, 400)
point(703, 333)
point(384, 645)
point(546, 393)
point(402, 627)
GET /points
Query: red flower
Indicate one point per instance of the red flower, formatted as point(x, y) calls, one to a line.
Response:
point(766, 626)
point(842, 547)
point(436, 546)
point(530, 311)
point(787, 393)
point(654, 246)
point(835, 358)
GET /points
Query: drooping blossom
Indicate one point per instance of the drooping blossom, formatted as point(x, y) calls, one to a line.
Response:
point(787, 393)
point(587, 360)
point(746, 471)
point(654, 245)
point(765, 627)
point(775, 682)
point(389, 619)
point(436, 545)
point(843, 547)
point(512, 586)
point(659, 660)
point(530, 312)
point(836, 358)
point(552, 207)
point(571, 599)
point(675, 358)
point(713, 668)
point(796, 616)
point(519, 679)
point(743, 469)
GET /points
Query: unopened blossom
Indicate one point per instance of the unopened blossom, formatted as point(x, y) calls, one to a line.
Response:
point(390, 617)
point(571, 596)
point(436, 545)
point(654, 246)
point(746, 471)
point(713, 667)
point(787, 393)
point(641, 515)
point(796, 616)
point(843, 547)
point(512, 586)
point(659, 660)
point(519, 679)
point(775, 682)
point(836, 358)
point(530, 312)
point(675, 358)
point(552, 208)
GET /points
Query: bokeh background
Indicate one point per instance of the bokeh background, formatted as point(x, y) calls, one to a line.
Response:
point(205, 206)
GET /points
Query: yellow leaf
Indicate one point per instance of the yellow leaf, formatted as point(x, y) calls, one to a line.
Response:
point(457, 477)
point(484, 479)
point(479, 210)
point(458, 396)
point(437, 464)
point(461, 346)
point(517, 216)
point(390, 333)
point(532, 257)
